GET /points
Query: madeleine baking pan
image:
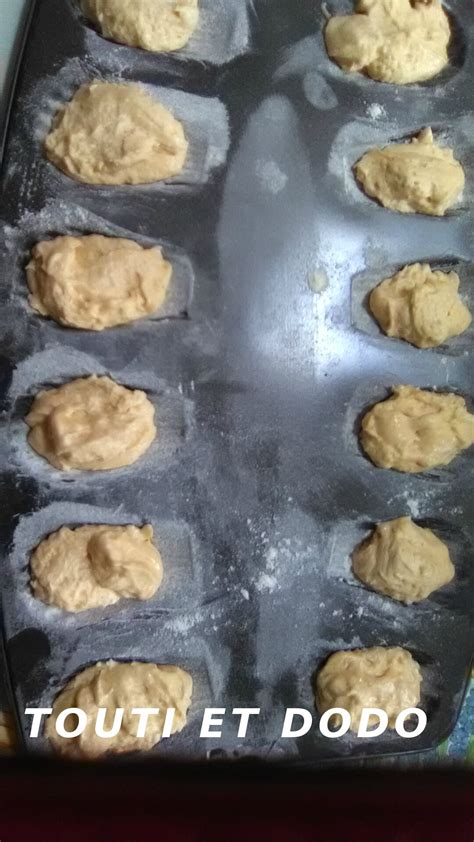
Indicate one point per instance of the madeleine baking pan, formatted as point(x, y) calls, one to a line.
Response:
point(260, 367)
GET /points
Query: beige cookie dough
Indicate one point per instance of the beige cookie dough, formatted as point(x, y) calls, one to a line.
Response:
point(414, 177)
point(403, 561)
point(113, 685)
point(94, 566)
point(112, 133)
point(96, 282)
point(91, 424)
point(387, 678)
point(398, 41)
point(421, 305)
point(156, 25)
point(415, 430)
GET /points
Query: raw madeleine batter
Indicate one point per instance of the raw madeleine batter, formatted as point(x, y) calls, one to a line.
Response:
point(381, 677)
point(416, 430)
point(156, 25)
point(398, 41)
point(93, 566)
point(113, 685)
point(414, 177)
point(96, 282)
point(403, 561)
point(112, 133)
point(91, 424)
point(421, 305)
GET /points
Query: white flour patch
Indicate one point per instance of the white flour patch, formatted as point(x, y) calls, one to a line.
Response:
point(414, 507)
point(286, 558)
point(270, 176)
point(265, 582)
point(375, 111)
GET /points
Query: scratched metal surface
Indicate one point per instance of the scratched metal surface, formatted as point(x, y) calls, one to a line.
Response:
point(256, 485)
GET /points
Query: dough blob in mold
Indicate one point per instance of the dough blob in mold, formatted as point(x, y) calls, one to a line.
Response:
point(160, 26)
point(116, 133)
point(415, 430)
point(91, 424)
point(414, 177)
point(95, 282)
point(381, 677)
point(420, 305)
point(396, 41)
point(403, 561)
point(94, 566)
point(112, 685)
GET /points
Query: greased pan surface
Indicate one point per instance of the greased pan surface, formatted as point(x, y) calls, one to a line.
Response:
point(256, 485)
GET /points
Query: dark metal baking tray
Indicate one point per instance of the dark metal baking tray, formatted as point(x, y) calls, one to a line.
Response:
point(256, 486)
